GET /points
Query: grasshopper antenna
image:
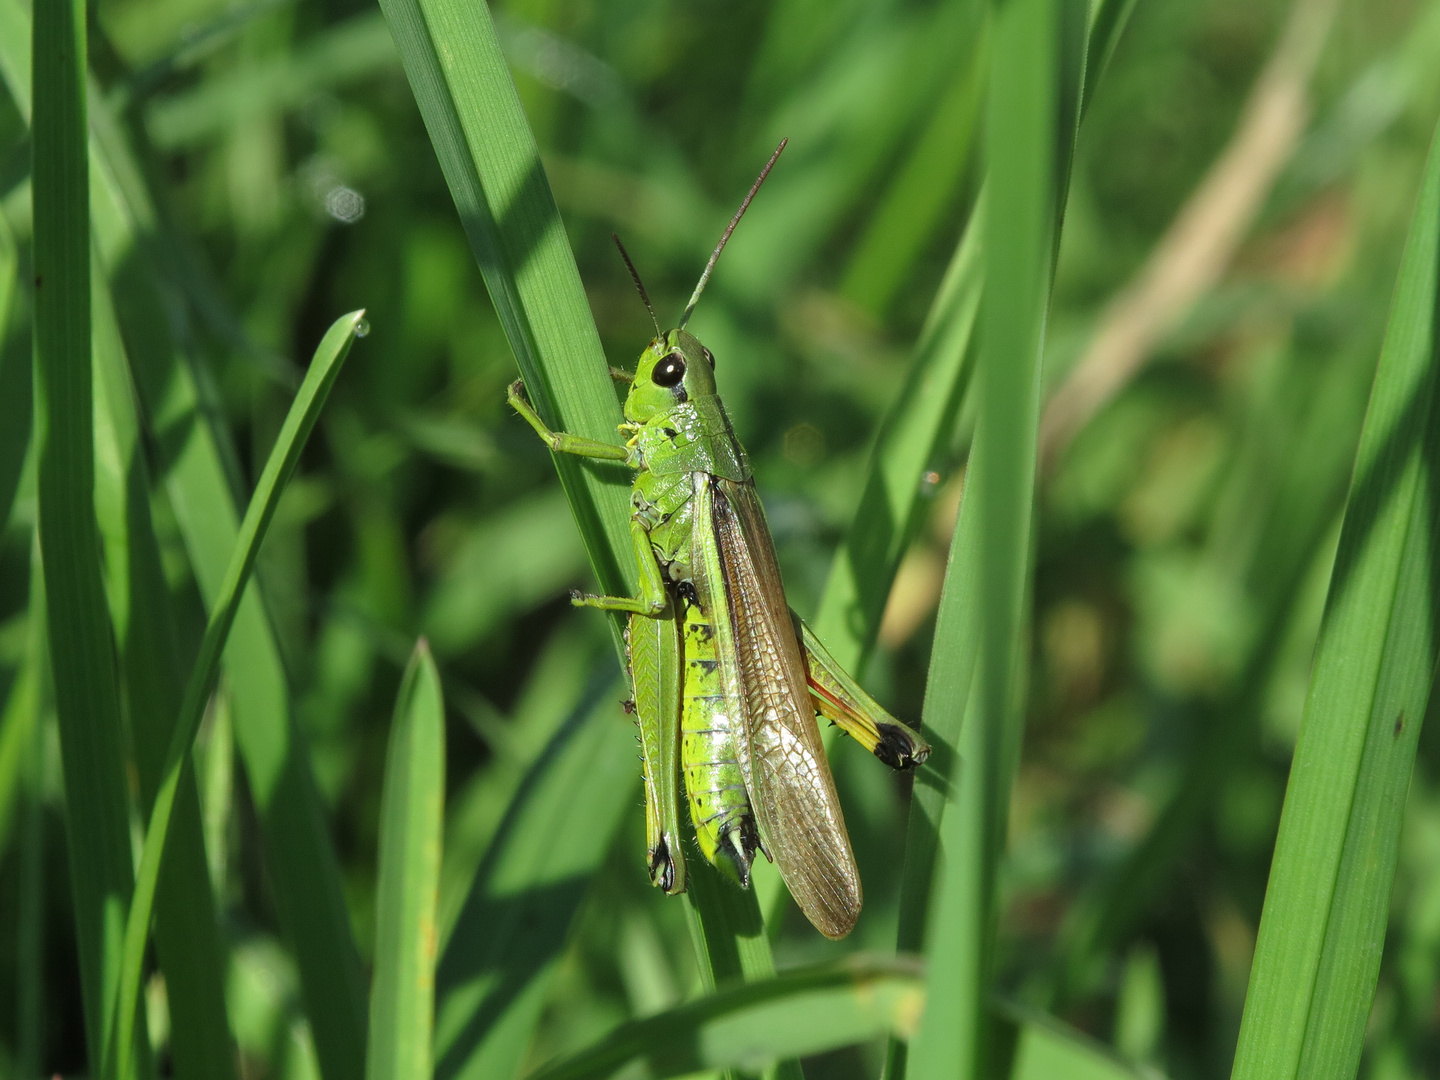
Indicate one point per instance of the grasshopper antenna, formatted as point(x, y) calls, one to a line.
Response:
point(635, 275)
point(715, 256)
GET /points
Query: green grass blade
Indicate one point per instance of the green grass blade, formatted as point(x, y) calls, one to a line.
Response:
point(926, 187)
point(284, 456)
point(1021, 221)
point(909, 437)
point(496, 970)
point(87, 696)
point(29, 779)
point(1045, 1049)
point(490, 161)
point(187, 936)
point(15, 378)
point(1317, 956)
point(804, 1011)
point(411, 822)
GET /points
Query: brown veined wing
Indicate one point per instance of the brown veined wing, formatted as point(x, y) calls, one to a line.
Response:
point(791, 789)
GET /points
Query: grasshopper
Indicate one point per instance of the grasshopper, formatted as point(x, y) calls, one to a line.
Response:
point(727, 681)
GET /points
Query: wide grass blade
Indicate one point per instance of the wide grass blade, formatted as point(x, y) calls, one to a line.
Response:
point(804, 1011)
point(496, 970)
point(480, 134)
point(1022, 188)
point(284, 456)
point(87, 695)
point(412, 817)
point(1317, 956)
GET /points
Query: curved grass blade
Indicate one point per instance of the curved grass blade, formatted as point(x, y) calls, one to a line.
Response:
point(411, 823)
point(87, 696)
point(284, 456)
point(1322, 930)
point(804, 1011)
point(492, 166)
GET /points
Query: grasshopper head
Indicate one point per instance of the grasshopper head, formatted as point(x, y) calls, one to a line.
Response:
point(671, 371)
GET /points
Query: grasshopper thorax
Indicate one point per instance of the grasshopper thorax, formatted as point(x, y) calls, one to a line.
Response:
point(671, 371)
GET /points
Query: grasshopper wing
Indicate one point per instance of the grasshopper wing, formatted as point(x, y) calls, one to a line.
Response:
point(791, 790)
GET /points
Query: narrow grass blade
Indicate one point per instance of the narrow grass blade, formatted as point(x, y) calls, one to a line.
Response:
point(480, 134)
point(804, 1011)
point(926, 187)
point(284, 456)
point(1317, 956)
point(15, 379)
point(908, 439)
point(512, 929)
point(1021, 223)
point(87, 696)
point(187, 936)
point(30, 916)
point(412, 817)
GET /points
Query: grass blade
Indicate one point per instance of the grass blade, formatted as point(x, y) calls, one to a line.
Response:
point(804, 1011)
point(496, 969)
point(411, 823)
point(480, 134)
point(284, 456)
point(187, 936)
point(1044, 1048)
point(1323, 926)
point(909, 437)
point(87, 697)
point(15, 378)
point(1021, 217)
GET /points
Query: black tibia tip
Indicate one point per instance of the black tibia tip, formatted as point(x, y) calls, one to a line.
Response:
point(628, 705)
point(686, 591)
point(662, 867)
point(899, 748)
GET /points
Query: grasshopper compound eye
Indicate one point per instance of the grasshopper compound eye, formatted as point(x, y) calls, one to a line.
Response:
point(670, 371)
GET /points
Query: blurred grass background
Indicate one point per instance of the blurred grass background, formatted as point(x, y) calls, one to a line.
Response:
point(273, 172)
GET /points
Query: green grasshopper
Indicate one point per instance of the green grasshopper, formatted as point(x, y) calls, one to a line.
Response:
point(727, 680)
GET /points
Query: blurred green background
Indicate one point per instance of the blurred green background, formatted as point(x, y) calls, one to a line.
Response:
point(1185, 532)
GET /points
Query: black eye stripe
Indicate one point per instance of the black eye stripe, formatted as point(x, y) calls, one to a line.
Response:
point(669, 371)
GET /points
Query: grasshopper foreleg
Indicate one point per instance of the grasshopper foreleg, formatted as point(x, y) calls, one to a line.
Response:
point(559, 441)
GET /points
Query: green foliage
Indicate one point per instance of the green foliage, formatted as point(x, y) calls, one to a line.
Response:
point(1145, 665)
